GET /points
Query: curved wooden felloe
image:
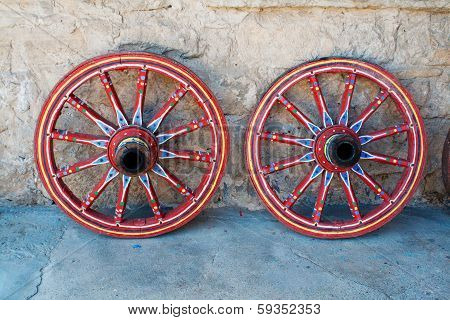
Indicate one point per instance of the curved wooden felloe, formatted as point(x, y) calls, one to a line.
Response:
point(321, 146)
point(129, 132)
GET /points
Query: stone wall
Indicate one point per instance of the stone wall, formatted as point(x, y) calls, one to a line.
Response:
point(237, 47)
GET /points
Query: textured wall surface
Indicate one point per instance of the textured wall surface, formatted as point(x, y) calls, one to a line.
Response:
point(237, 47)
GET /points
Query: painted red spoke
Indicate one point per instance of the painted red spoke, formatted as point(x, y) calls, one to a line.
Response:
point(302, 118)
point(380, 134)
point(382, 158)
point(347, 98)
point(201, 156)
point(369, 181)
point(322, 196)
point(369, 110)
point(151, 195)
point(349, 193)
point(122, 199)
point(172, 180)
point(83, 138)
point(302, 186)
point(141, 86)
point(320, 101)
point(159, 117)
point(107, 127)
point(182, 130)
point(99, 187)
point(114, 99)
point(286, 138)
point(287, 163)
point(79, 166)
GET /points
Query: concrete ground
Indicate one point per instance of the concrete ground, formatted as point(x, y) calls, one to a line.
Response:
point(222, 254)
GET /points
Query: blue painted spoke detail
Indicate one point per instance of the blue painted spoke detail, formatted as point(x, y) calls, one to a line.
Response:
point(357, 169)
point(164, 154)
point(125, 181)
point(328, 177)
point(315, 129)
point(366, 155)
point(365, 139)
point(307, 157)
point(163, 138)
point(144, 180)
point(344, 118)
point(100, 143)
point(137, 119)
point(345, 178)
point(327, 119)
point(154, 125)
point(121, 119)
point(308, 143)
point(101, 160)
point(356, 126)
point(317, 170)
point(105, 128)
point(159, 171)
point(111, 174)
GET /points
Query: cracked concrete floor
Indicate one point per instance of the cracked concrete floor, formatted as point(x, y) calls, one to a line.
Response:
point(222, 255)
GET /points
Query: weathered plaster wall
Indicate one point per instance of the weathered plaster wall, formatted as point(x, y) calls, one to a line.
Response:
point(237, 47)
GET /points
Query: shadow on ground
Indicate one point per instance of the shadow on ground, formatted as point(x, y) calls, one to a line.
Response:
point(222, 254)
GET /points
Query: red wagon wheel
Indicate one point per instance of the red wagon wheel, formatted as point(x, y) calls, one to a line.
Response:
point(336, 147)
point(131, 147)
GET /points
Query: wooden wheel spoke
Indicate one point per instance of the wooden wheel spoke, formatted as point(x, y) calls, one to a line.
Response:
point(192, 155)
point(320, 101)
point(302, 118)
point(141, 86)
point(347, 98)
point(151, 195)
point(182, 130)
point(382, 158)
point(162, 113)
point(302, 186)
point(122, 199)
point(369, 110)
point(99, 188)
point(113, 99)
point(287, 163)
point(286, 138)
point(380, 134)
point(350, 194)
point(370, 182)
point(79, 166)
point(172, 180)
point(83, 138)
point(322, 195)
point(104, 125)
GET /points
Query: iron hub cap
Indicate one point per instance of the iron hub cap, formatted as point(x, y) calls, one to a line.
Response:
point(337, 148)
point(133, 150)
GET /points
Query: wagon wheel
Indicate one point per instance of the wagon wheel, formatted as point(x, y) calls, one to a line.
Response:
point(335, 149)
point(131, 148)
point(446, 163)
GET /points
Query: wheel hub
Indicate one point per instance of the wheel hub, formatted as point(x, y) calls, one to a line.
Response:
point(337, 148)
point(133, 150)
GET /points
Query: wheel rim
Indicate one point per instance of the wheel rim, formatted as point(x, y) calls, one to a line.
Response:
point(335, 148)
point(131, 148)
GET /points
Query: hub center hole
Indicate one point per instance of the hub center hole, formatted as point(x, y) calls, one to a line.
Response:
point(345, 151)
point(133, 160)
